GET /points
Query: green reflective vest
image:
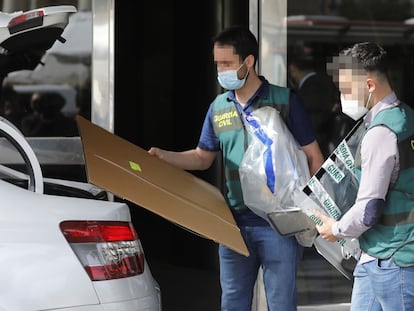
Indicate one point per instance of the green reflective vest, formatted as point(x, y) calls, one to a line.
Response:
point(393, 235)
point(234, 139)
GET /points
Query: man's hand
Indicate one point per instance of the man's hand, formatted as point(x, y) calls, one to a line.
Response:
point(325, 230)
point(154, 151)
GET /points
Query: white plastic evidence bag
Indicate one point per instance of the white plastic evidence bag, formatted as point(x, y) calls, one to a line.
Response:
point(277, 185)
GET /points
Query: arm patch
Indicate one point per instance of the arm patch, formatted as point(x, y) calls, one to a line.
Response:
point(373, 211)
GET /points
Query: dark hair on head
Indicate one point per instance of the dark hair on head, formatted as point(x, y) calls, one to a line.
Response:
point(370, 55)
point(302, 56)
point(48, 104)
point(241, 38)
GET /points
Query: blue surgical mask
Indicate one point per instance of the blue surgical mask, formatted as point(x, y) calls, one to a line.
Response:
point(228, 79)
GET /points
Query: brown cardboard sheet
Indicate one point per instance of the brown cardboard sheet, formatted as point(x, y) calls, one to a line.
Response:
point(129, 172)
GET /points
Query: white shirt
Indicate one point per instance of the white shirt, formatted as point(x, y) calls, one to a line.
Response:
point(306, 77)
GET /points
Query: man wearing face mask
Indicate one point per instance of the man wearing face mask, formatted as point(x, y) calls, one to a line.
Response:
point(235, 54)
point(381, 217)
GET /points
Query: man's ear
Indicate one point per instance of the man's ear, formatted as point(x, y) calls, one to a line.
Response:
point(292, 67)
point(249, 61)
point(371, 85)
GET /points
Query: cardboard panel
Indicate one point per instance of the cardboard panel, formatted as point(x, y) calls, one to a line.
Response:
point(129, 172)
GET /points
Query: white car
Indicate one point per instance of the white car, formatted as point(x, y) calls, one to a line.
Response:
point(64, 245)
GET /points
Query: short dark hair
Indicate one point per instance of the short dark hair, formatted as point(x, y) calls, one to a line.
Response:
point(302, 56)
point(241, 38)
point(371, 56)
point(49, 104)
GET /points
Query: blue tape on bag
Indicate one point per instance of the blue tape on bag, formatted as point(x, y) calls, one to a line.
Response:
point(267, 155)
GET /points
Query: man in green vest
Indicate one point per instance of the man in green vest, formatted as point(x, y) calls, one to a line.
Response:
point(382, 216)
point(236, 52)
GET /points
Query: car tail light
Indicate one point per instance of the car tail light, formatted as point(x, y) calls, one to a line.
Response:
point(25, 21)
point(107, 249)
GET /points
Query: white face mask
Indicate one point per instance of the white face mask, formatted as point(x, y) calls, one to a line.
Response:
point(229, 80)
point(352, 109)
